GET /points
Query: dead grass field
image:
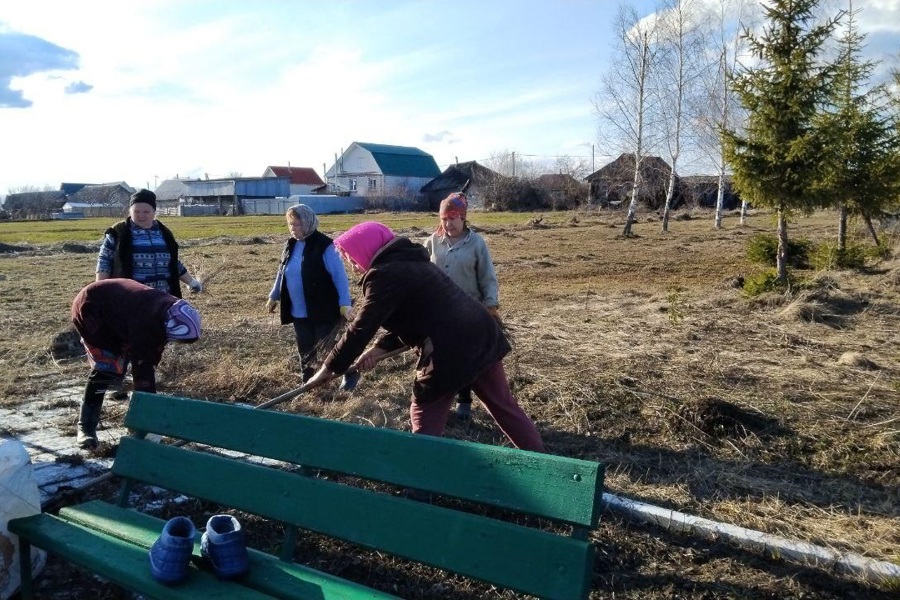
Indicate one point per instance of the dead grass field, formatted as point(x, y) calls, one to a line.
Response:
point(779, 413)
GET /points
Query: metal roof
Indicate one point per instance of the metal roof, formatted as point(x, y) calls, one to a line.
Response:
point(172, 189)
point(245, 187)
point(298, 175)
point(106, 193)
point(402, 161)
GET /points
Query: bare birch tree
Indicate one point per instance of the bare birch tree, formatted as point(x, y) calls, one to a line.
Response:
point(624, 106)
point(719, 108)
point(676, 79)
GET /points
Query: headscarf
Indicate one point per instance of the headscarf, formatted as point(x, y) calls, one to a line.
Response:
point(308, 220)
point(454, 205)
point(362, 241)
point(182, 322)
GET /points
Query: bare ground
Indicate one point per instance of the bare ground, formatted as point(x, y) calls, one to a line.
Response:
point(778, 413)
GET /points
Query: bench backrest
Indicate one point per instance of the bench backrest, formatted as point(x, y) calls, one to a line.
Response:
point(526, 559)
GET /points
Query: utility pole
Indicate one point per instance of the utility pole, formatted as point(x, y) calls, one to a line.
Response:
point(513, 164)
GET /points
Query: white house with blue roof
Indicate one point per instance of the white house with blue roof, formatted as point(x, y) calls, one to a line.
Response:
point(371, 170)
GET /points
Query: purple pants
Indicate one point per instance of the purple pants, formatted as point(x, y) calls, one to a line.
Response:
point(492, 389)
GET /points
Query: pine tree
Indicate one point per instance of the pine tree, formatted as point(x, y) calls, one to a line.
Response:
point(776, 160)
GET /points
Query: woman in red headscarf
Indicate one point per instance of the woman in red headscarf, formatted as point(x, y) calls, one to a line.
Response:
point(458, 341)
point(463, 256)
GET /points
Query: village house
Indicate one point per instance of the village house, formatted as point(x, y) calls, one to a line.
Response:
point(390, 176)
point(303, 180)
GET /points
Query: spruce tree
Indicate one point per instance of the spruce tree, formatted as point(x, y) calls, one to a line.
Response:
point(776, 159)
point(863, 150)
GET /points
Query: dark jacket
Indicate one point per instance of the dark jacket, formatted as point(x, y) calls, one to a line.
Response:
point(318, 288)
point(123, 264)
point(126, 318)
point(419, 306)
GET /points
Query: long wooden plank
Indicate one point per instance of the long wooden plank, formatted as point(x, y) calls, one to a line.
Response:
point(121, 562)
point(520, 558)
point(553, 487)
point(267, 573)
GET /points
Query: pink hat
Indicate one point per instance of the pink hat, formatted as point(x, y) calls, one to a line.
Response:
point(362, 241)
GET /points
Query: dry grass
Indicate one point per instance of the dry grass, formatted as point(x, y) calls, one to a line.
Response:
point(777, 413)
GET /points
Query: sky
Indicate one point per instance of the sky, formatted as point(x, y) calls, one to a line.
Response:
point(141, 91)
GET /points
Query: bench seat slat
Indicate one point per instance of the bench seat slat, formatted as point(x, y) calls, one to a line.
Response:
point(552, 487)
point(267, 574)
point(520, 558)
point(120, 561)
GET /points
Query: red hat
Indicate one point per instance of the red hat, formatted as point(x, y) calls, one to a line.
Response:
point(454, 205)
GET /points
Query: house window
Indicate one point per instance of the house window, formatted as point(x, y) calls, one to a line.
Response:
point(352, 184)
point(373, 184)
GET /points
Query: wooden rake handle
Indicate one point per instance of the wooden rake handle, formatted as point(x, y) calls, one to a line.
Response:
point(307, 387)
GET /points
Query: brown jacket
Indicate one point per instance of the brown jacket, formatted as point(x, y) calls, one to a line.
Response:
point(126, 318)
point(419, 306)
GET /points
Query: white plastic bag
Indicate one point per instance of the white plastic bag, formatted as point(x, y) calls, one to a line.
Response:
point(19, 497)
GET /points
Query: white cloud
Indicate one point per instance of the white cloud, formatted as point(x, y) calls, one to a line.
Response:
point(199, 87)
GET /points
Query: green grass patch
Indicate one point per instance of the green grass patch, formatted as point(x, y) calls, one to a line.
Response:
point(190, 228)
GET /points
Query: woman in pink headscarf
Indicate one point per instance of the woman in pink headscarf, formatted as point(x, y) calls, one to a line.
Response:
point(458, 341)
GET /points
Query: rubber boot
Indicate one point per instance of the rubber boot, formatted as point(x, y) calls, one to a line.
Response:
point(88, 419)
point(91, 403)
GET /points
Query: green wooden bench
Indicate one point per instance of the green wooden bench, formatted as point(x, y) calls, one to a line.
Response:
point(538, 544)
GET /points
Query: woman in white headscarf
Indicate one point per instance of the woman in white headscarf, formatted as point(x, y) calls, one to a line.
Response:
point(311, 285)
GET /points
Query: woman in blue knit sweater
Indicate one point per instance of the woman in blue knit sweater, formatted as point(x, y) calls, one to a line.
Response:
point(143, 249)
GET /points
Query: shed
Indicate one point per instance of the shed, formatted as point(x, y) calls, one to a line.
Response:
point(116, 196)
point(562, 190)
point(481, 181)
point(611, 185)
point(225, 194)
point(703, 191)
point(321, 204)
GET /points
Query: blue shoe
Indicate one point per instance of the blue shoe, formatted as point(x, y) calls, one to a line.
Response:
point(223, 547)
point(348, 383)
point(170, 555)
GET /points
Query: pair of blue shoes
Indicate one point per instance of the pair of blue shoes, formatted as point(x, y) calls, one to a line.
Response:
point(222, 548)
